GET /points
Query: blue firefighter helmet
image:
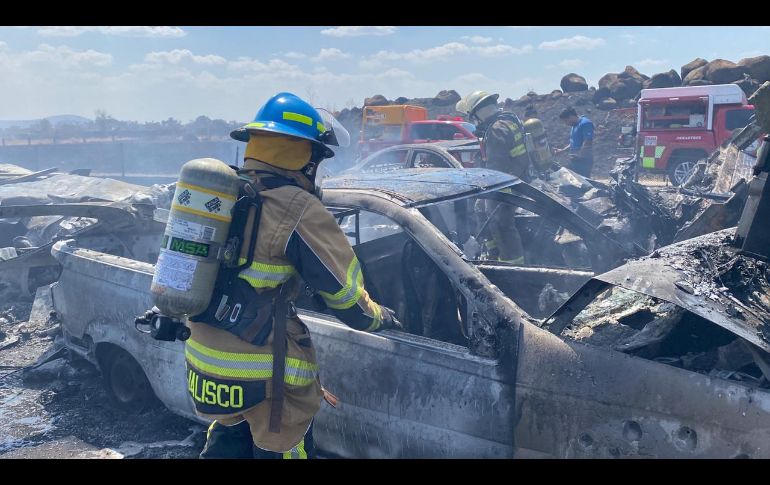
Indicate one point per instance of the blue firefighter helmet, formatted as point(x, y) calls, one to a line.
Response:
point(288, 114)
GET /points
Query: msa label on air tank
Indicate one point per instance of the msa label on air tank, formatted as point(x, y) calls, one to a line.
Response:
point(190, 230)
point(174, 271)
point(184, 246)
point(203, 202)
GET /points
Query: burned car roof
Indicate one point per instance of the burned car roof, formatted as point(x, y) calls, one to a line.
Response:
point(420, 186)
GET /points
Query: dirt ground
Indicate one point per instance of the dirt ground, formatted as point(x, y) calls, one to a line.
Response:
point(62, 410)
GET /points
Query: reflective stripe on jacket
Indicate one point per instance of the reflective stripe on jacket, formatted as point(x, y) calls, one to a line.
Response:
point(504, 146)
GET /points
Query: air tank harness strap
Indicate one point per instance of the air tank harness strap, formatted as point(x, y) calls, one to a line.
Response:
point(280, 314)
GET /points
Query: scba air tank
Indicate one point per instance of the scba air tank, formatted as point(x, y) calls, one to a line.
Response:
point(195, 235)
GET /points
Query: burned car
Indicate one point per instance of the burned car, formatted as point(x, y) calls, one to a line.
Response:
point(634, 221)
point(474, 375)
point(39, 208)
point(445, 154)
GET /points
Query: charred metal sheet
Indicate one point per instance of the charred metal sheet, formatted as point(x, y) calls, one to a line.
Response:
point(716, 216)
point(27, 177)
point(116, 214)
point(688, 274)
point(421, 186)
point(68, 188)
point(572, 307)
point(533, 270)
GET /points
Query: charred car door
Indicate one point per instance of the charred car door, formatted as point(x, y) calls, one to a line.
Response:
point(419, 393)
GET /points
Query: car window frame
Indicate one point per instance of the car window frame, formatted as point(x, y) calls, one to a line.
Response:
point(416, 151)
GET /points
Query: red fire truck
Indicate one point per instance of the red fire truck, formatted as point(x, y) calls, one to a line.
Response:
point(384, 126)
point(676, 127)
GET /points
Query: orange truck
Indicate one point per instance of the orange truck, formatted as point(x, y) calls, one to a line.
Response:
point(384, 126)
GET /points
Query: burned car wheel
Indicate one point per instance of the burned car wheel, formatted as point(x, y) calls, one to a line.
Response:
point(126, 383)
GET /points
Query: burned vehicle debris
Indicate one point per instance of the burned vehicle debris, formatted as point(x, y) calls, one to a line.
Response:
point(39, 208)
point(490, 382)
point(697, 305)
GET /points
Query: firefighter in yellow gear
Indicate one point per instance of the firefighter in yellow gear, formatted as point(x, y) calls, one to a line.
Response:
point(261, 387)
point(503, 148)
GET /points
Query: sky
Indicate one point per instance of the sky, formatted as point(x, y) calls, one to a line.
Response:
point(153, 73)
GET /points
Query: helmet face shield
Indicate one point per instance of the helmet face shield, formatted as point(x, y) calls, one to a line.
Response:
point(335, 133)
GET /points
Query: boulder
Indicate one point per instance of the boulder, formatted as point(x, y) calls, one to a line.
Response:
point(630, 72)
point(531, 94)
point(668, 79)
point(600, 94)
point(720, 71)
point(701, 82)
point(625, 88)
point(401, 100)
point(376, 100)
point(692, 65)
point(626, 85)
point(606, 80)
point(696, 74)
point(573, 83)
point(556, 93)
point(747, 84)
point(447, 97)
point(759, 67)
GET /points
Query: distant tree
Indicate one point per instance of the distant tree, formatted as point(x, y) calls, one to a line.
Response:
point(103, 121)
point(200, 127)
point(43, 128)
point(220, 128)
point(172, 127)
point(67, 130)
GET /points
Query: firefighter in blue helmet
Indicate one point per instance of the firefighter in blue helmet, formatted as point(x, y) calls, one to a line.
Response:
point(261, 387)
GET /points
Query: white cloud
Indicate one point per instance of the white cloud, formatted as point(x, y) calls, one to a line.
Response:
point(651, 63)
point(46, 55)
point(442, 52)
point(467, 83)
point(477, 39)
point(571, 63)
point(351, 31)
point(247, 64)
point(179, 55)
point(578, 42)
point(127, 31)
point(629, 38)
point(295, 55)
point(502, 50)
point(330, 54)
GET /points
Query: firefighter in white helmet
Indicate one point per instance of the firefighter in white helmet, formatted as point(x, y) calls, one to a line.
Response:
point(503, 148)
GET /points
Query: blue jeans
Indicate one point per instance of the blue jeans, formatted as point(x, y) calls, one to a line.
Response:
point(581, 165)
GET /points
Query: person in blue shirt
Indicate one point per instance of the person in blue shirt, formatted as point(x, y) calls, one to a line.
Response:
point(581, 140)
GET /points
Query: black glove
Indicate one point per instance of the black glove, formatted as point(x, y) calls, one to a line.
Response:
point(389, 320)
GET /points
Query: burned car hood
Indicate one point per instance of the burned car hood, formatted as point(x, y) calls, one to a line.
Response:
point(415, 186)
point(707, 277)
